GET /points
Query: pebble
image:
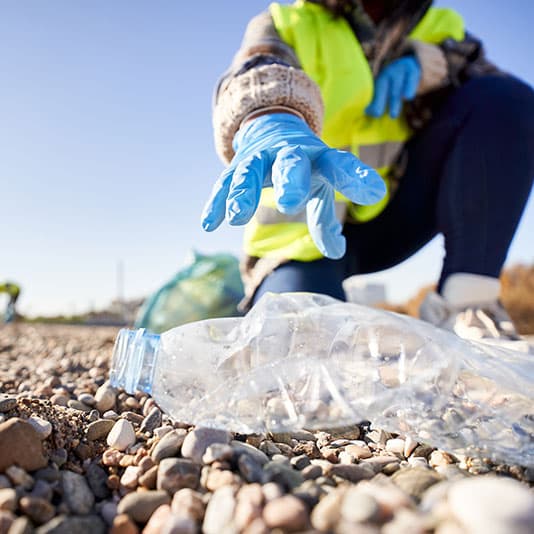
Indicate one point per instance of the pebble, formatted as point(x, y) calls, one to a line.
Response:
point(59, 400)
point(325, 515)
point(409, 446)
point(122, 435)
point(250, 470)
point(97, 480)
point(351, 472)
point(219, 511)
point(151, 421)
point(244, 448)
point(188, 503)
point(359, 452)
point(162, 430)
point(77, 405)
point(6, 521)
point(19, 477)
point(312, 472)
point(110, 414)
point(359, 507)
point(179, 525)
point(198, 440)
point(395, 445)
point(130, 477)
point(20, 444)
point(76, 493)
point(21, 525)
point(8, 499)
point(37, 509)
point(122, 524)
point(66, 524)
point(7, 403)
point(139, 505)
point(218, 452)
point(287, 513)
point(439, 458)
point(491, 504)
point(415, 480)
point(99, 429)
point(105, 397)
point(300, 462)
point(87, 399)
point(158, 519)
point(417, 461)
point(177, 473)
point(169, 445)
point(282, 474)
point(148, 479)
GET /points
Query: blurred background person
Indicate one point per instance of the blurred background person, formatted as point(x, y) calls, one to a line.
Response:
point(13, 292)
point(319, 96)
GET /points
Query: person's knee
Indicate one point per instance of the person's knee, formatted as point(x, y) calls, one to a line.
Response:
point(505, 98)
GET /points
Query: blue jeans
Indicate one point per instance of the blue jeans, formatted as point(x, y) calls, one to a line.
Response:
point(468, 176)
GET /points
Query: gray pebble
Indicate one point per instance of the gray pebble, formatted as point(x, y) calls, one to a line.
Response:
point(97, 479)
point(244, 448)
point(77, 405)
point(169, 445)
point(69, 524)
point(151, 421)
point(199, 439)
point(99, 429)
point(177, 473)
point(7, 403)
point(139, 505)
point(76, 493)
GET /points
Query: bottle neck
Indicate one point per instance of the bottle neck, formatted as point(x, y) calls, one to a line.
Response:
point(134, 359)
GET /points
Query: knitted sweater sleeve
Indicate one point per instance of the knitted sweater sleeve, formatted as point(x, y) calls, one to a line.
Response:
point(265, 75)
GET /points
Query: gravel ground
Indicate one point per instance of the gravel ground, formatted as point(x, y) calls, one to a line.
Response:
point(77, 456)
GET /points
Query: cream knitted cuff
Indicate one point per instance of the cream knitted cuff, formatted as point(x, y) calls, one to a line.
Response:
point(260, 88)
point(434, 67)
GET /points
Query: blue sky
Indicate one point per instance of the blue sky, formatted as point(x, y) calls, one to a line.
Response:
point(106, 148)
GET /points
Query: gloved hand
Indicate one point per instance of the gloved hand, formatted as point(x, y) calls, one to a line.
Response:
point(280, 150)
point(395, 83)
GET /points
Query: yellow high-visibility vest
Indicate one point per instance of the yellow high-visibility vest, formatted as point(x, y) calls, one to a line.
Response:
point(331, 55)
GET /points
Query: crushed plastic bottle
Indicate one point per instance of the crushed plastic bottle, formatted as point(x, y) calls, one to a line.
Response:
point(302, 360)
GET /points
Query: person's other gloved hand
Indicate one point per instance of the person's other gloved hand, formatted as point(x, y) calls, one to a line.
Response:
point(395, 83)
point(280, 150)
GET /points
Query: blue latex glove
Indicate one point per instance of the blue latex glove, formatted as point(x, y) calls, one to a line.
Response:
point(280, 150)
point(395, 83)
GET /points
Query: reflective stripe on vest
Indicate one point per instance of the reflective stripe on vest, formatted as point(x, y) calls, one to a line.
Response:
point(330, 54)
point(270, 215)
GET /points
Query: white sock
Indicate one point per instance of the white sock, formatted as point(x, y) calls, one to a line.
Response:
point(465, 289)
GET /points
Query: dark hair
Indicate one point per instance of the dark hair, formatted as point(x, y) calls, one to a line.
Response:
point(338, 7)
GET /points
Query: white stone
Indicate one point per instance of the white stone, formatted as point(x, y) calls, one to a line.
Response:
point(122, 435)
point(395, 445)
point(490, 504)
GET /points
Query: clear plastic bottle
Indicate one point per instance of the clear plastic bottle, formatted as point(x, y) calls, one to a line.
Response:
point(308, 361)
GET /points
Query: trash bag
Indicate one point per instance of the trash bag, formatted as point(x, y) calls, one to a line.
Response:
point(207, 287)
point(302, 360)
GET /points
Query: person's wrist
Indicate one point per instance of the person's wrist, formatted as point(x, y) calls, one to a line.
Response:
point(269, 111)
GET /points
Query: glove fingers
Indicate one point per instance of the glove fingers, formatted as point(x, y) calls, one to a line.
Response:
point(245, 188)
point(395, 94)
point(347, 174)
point(213, 212)
point(291, 177)
point(324, 227)
point(377, 107)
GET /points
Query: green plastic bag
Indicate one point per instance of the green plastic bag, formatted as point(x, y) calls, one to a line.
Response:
point(208, 286)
